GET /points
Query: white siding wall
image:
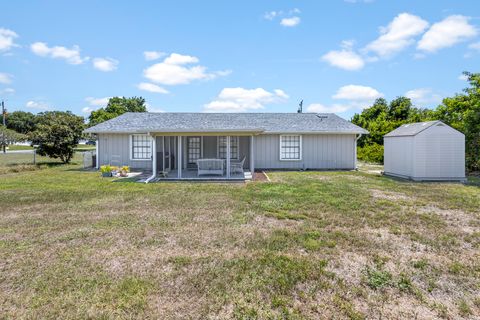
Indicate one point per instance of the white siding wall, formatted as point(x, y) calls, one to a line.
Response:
point(114, 149)
point(323, 151)
point(319, 151)
point(398, 155)
point(439, 153)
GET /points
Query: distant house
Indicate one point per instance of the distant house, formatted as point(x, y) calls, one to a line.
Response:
point(425, 151)
point(226, 145)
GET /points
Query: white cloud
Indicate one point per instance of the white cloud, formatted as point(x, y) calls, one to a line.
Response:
point(88, 109)
point(105, 64)
point(423, 96)
point(5, 78)
point(272, 14)
point(153, 109)
point(462, 77)
point(39, 105)
point(357, 93)
point(344, 59)
point(72, 55)
point(178, 69)
point(355, 97)
point(320, 108)
point(97, 102)
point(7, 91)
point(446, 33)
point(241, 99)
point(290, 22)
point(7, 38)
point(289, 18)
point(150, 87)
point(153, 55)
point(398, 35)
point(180, 59)
point(475, 46)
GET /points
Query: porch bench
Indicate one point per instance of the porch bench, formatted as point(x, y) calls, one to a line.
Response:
point(210, 166)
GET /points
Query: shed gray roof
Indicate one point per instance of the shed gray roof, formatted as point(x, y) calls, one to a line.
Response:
point(411, 129)
point(227, 122)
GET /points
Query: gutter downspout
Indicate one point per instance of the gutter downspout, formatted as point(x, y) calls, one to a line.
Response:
point(356, 140)
point(154, 159)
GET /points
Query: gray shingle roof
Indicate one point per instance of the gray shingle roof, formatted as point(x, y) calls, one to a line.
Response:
point(411, 129)
point(225, 122)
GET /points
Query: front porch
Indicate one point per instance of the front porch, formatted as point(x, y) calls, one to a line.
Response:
point(213, 157)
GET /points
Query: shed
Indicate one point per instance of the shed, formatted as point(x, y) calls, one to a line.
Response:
point(425, 151)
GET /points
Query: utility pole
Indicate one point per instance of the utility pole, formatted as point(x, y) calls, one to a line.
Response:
point(4, 116)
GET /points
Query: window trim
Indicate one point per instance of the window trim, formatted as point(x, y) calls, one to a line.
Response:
point(280, 147)
point(130, 146)
point(238, 147)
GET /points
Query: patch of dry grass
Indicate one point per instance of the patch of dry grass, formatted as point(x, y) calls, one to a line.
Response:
point(305, 245)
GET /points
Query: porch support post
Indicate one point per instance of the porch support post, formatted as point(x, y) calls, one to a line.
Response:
point(154, 156)
point(228, 157)
point(179, 157)
point(252, 156)
point(97, 143)
point(163, 153)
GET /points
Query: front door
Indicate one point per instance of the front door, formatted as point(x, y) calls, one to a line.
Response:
point(194, 151)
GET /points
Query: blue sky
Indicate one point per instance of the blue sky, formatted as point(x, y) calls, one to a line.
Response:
point(244, 56)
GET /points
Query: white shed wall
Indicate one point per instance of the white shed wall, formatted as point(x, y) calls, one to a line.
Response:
point(398, 156)
point(439, 154)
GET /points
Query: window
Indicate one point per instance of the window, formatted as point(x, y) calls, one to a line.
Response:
point(291, 147)
point(222, 147)
point(141, 147)
point(194, 149)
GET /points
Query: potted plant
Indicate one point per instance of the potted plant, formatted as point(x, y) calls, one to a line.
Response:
point(114, 171)
point(106, 170)
point(124, 171)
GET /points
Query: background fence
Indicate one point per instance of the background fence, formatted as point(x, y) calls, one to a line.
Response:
point(29, 157)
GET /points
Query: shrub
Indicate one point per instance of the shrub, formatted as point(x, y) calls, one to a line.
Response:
point(106, 169)
point(377, 279)
point(370, 153)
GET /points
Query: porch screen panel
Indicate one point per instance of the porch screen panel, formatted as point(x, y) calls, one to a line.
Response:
point(141, 147)
point(194, 149)
point(222, 147)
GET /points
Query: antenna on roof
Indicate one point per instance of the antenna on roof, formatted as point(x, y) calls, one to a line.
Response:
point(300, 107)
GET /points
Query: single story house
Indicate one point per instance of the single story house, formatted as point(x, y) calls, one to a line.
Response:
point(425, 151)
point(226, 145)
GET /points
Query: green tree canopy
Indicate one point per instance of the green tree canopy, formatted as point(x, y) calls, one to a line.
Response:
point(20, 121)
point(462, 112)
point(8, 137)
point(57, 134)
point(117, 106)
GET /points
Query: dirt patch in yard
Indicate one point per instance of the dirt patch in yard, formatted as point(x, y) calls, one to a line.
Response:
point(389, 195)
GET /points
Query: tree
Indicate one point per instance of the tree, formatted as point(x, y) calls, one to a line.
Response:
point(462, 112)
point(57, 134)
point(381, 118)
point(20, 121)
point(399, 109)
point(8, 137)
point(117, 106)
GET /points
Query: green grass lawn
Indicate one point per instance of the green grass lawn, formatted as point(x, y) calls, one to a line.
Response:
point(306, 245)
